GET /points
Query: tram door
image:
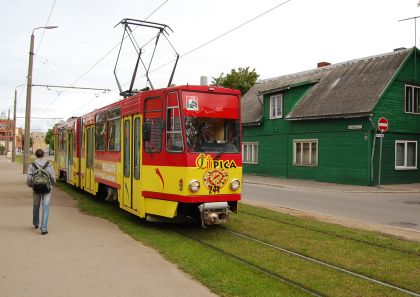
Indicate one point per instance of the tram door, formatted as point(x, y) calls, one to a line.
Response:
point(70, 149)
point(131, 162)
point(89, 177)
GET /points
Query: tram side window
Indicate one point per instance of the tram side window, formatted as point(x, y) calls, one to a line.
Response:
point(136, 153)
point(100, 129)
point(114, 130)
point(174, 142)
point(153, 119)
point(61, 141)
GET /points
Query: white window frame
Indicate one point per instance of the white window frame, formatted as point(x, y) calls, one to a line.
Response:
point(276, 100)
point(311, 162)
point(251, 151)
point(411, 108)
point(405, 167)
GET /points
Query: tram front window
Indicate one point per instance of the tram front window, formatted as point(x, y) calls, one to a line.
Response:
point(212, 135)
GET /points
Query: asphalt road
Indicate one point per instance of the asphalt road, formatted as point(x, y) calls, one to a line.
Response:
point(399, 210)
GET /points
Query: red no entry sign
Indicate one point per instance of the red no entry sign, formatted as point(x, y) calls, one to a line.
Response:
point(383, 125)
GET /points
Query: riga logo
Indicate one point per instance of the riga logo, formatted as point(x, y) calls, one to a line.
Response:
point(207, 162)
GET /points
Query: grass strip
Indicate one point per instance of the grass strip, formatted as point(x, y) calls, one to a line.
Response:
point(387, 265)
point(315, 276)
point(373, 238)
point(228, 277)
point(222, 274)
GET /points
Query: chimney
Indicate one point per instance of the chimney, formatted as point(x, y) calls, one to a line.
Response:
point(323, 64)
point(203, 81)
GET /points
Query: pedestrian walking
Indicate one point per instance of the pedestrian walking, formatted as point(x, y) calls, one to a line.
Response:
point(41, 177)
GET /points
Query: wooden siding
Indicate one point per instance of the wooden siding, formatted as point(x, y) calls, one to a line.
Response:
point(344, 150)
point(402, 126)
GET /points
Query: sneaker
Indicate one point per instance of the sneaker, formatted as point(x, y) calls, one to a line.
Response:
point(44, 232)
point(36, 226)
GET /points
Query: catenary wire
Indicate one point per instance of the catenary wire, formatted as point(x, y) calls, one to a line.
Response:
point(46, 24)
point(97, 63)
point(204, 44)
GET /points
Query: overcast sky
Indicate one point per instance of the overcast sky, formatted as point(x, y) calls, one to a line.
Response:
point(292, 37)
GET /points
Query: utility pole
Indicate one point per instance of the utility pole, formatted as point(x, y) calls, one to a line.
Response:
point(14, 126)
point(14, 130)
point(27, 140)
point(7, 133)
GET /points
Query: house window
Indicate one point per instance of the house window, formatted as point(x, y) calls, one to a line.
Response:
point(276, 106)
point(412, 99)
point(250, 152)
point(305, 152)
point(405, 154)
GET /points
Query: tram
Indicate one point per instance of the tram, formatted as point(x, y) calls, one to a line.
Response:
point(163, 154)
point(172, 153)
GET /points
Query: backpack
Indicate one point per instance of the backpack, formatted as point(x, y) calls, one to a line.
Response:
point(41, 179)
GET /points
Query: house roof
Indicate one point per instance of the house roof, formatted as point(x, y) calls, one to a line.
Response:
point(347, 89)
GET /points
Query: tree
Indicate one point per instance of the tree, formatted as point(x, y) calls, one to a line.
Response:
point(242, 79)
point(49, 138)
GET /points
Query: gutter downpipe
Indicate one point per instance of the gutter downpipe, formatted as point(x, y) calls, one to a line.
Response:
point(373, 149)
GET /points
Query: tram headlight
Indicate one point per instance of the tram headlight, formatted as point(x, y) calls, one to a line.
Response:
point(194, 185)
point(235, 184)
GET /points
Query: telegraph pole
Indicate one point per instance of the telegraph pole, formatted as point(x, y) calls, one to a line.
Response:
point(14, 126)
point(7, 133)
point(27, 143)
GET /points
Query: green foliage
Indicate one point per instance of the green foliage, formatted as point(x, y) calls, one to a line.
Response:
point(49, 138)
point(242, 79)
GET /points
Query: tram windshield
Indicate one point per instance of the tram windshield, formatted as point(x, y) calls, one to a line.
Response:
point(212, 134)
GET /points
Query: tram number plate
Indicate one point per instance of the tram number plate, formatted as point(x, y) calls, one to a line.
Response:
point(214, 189)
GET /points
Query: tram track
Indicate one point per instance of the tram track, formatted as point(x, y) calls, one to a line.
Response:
point(272, 274)
point(407, 252)
point(373, 280)
point(289, 280)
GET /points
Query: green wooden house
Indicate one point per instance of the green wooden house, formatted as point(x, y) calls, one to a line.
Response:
point(322, 124)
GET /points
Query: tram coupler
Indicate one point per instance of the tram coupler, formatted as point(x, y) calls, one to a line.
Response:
point(214, 213)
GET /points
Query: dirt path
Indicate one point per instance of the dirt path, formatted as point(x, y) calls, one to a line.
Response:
point(81, 255)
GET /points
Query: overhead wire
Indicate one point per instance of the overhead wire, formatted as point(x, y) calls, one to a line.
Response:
point(221, 35)
point(208, 42)
point(99, 61)
point(46, 24)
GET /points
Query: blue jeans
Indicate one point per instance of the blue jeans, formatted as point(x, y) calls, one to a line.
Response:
point(45, 198)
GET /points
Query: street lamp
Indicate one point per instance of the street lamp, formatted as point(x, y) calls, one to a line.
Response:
point(26, 144)
point(14, 126)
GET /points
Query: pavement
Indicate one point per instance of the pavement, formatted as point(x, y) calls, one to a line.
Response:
point(310, 185)
point(81, 256)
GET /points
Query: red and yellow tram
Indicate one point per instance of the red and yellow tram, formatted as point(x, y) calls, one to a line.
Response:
point(171, 153)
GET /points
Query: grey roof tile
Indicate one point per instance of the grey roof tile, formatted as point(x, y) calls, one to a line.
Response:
point(346, 89)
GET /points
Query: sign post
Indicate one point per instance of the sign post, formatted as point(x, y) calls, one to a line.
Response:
point(383, 127)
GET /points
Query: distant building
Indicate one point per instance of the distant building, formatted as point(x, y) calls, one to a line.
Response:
point(38, 139)
point(6, 132)
point(322, 124)
point(19, 140)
